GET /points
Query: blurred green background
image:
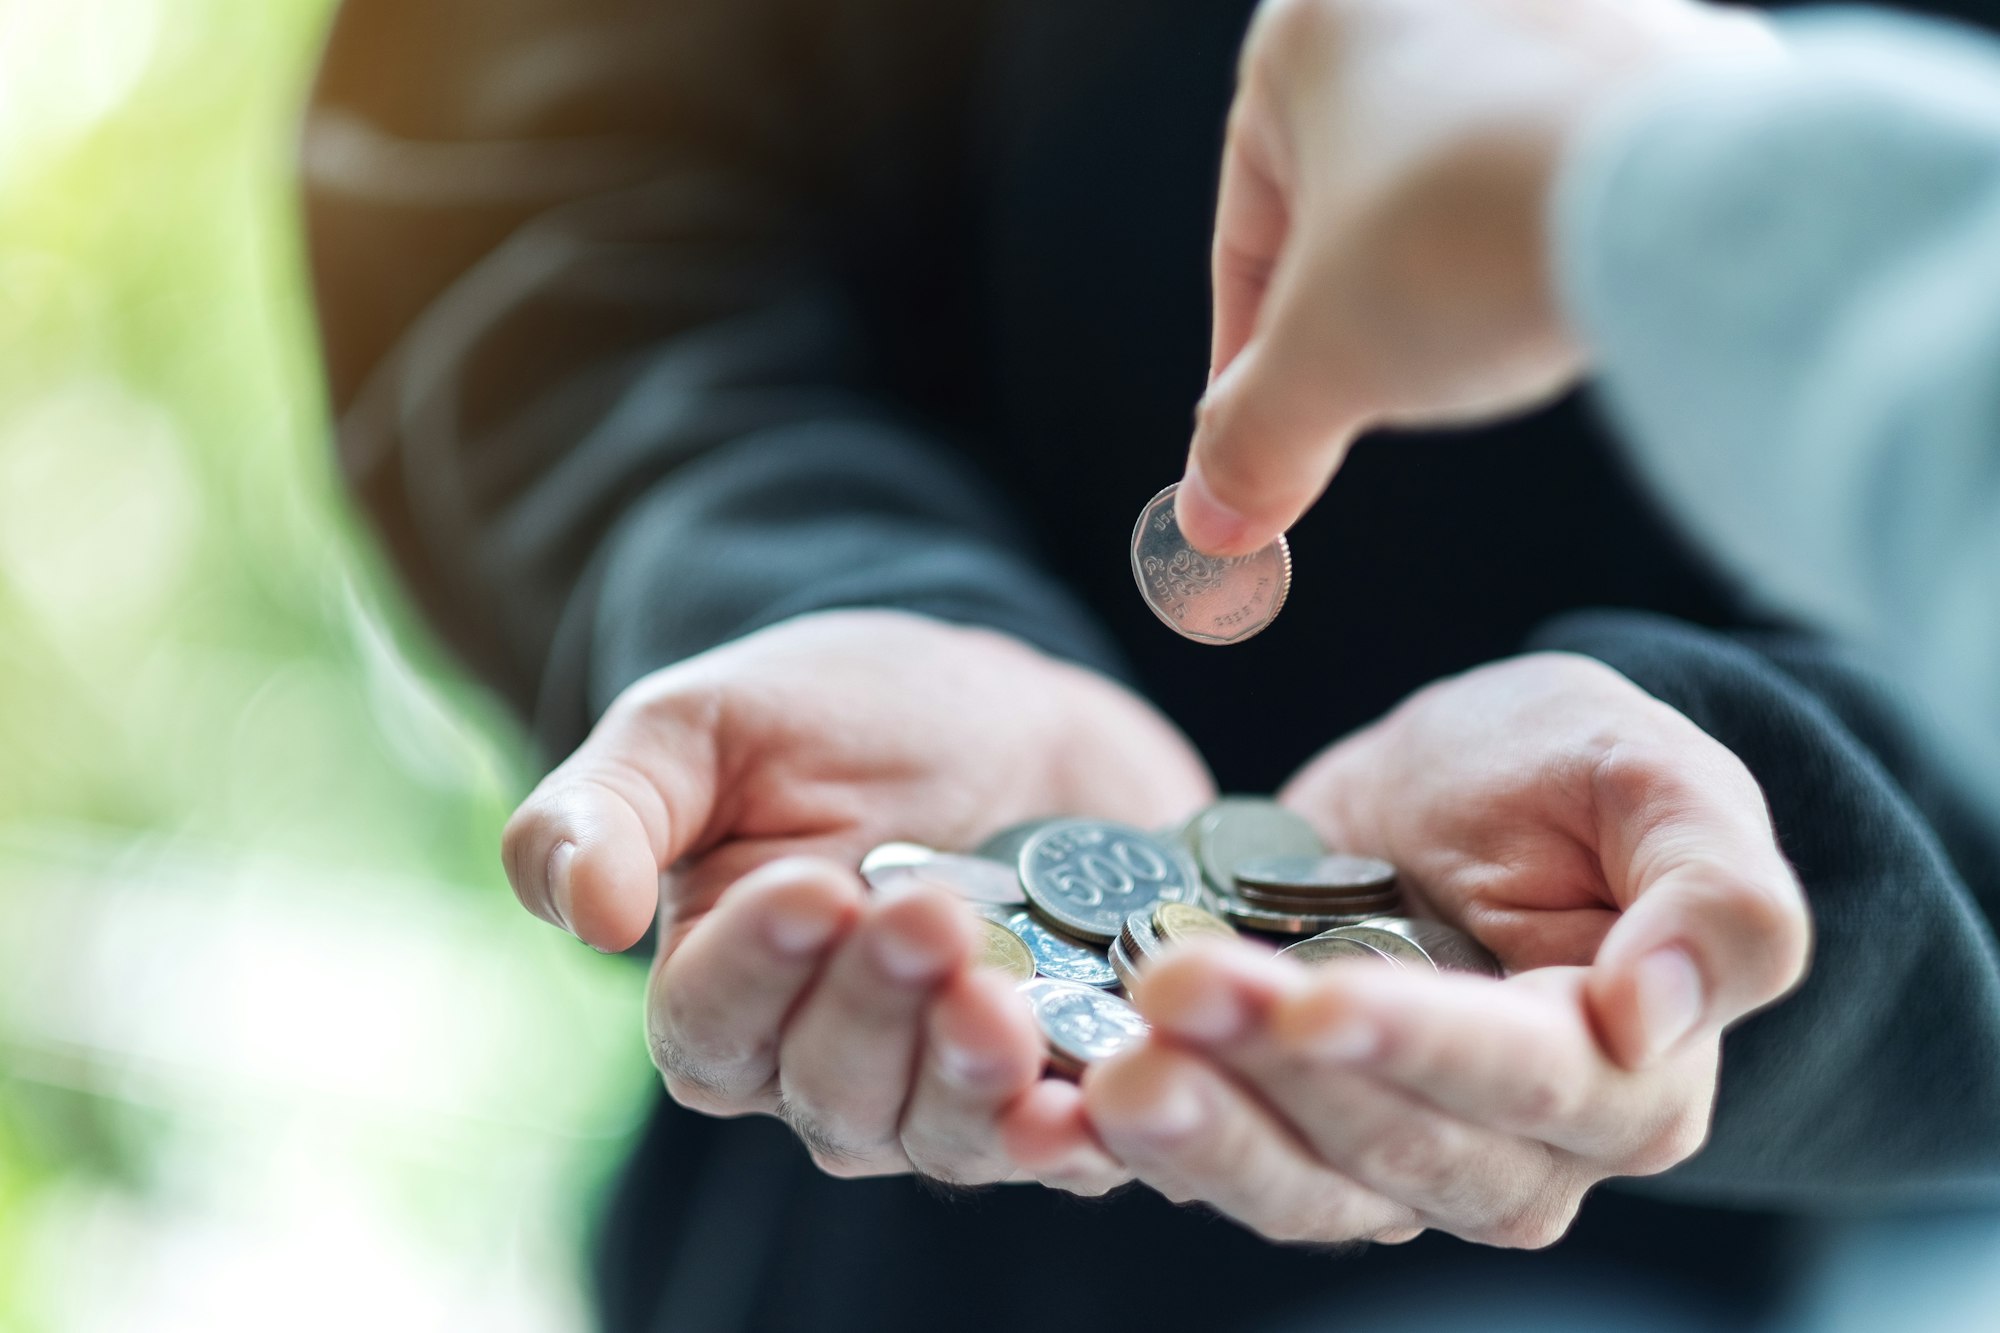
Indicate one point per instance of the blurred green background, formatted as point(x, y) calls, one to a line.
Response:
point(277, 1049)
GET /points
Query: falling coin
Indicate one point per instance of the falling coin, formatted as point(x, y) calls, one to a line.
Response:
point(1210, 599)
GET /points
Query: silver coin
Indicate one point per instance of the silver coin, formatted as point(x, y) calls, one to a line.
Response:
point(1334, 875)
point(1061, 958)
point(1140, 937)
point(1386, 941)
point(1005, 846)
point(1123, 964)
point(1081, 1025)
point(1333, 948)
point(1269, 922)
point(896, 867)
point(1086, 876)
point(1448, 948)
point(1238, 828)
point(1206, 598)
point(1357, 905)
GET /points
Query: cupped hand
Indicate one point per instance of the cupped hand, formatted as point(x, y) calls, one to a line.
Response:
point(1619, 861)
point(1381, 252)
point(734, 792)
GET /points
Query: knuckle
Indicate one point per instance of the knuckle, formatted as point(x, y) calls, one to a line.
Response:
point(1536, 1226)
point(696, 1085)
point(1674, 1142)
point(833, 1153)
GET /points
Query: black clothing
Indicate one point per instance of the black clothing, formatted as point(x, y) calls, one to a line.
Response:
point(652, 322)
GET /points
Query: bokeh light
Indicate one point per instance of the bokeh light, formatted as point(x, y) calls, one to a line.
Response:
point(277, 1049)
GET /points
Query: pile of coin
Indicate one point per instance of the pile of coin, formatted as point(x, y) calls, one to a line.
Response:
point(1075, 909)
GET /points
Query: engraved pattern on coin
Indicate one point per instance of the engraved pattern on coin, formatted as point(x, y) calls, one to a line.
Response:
point(1177, 923)
point(1081, 1025)
point(1059, 958)
point(1087, 875)
point(1214, 600)
point(1331, 948)
point(1448, 948)
point(1004, 951)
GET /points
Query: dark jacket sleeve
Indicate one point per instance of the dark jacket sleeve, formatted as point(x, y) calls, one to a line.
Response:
point(598, 380)
point(1878, 1081)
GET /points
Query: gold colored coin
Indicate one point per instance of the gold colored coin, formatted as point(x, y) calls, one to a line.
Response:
point(1177, 923)
point(1004, 951)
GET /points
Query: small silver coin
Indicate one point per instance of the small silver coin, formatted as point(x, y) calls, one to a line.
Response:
point(1122, 963)
point(898, 867)
point(1141, 936)
point(1334, 875)
point(1061, 958)
point(1448, 948)
point(1240, 828)
point(1386, 941)
point(1210, 599)
point(1085, 876)
point(1333, 948)
point(1268, 922)
point(1382, 902)
point(1082, 1025)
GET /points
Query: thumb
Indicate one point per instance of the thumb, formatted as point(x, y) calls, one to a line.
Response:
point(586, 849)
point(1269, 434)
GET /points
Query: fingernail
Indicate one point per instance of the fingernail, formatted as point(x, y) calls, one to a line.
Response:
point(1668, 988)
point(796, 931)
point(906, 959)
point(1212, 1013)
point(1175, 1114)
point(1207, 523)
point(561, 857)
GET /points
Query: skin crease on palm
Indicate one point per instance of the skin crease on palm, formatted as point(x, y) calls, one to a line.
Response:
point(1544, 803)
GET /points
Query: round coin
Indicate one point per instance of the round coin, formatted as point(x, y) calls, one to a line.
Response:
point(1085, 876)
point(1386, 941)
point(1331, 948)
point(1059, 957)
point(1081, 1025)
point(1268, 922)
point(1141, 941)
point(1240, 828)
point(1448, 948)
point(1177, 923)
point(1004, 951)
point(973, 878)
point(1122, 964)
point(1005, 846)
point(1333, 875)
point(1209, 599)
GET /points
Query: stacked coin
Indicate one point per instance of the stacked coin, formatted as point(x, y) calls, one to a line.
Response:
point(1076, 908)
point(1400, 942)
